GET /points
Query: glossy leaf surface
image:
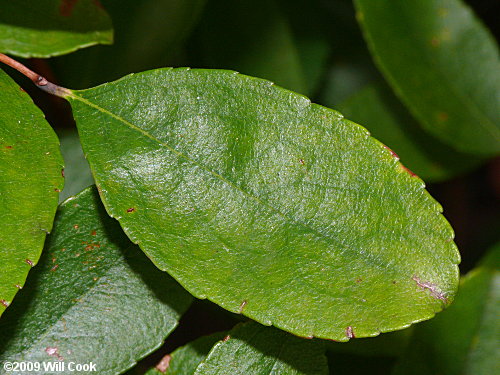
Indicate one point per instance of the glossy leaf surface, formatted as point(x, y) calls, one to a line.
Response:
point(94, 297)
point(30, 181)
point(266, 204)
point(464, 339)
point(444, 65)
point(254, 349)
point(45, 28)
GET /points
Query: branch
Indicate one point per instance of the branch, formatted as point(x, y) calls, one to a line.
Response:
point(36, 78)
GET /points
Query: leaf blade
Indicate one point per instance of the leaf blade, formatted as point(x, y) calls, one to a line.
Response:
point(222, 173)
point(30, 166)
point(48, 28)
point(443, 64)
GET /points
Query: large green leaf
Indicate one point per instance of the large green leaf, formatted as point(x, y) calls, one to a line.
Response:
point(45, 28)
point(266, 204)
point(443, 64)
point(376, 108)
point(254, 349)
point(94, 297)
point(464, 339)
point(30, 181)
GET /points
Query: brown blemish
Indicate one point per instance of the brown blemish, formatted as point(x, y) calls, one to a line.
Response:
point(301, 161)
point(442, 116)
point(90, 245)
point(93, 233)
point(359, 279)
point(162, 366)
point(53, 352)
point(392, 152)
point(394, 282)
point(54, 260)
point(131, 209)
point(435, 42)
point(242, 306)
point(29, 262)
point(66, 7)
point(4, 303)
point(55, 267)
point(226, 338)
point(76, 226)
point(57, 190)
point(407, 170)
point(98, 4)
point(9, 147)
point(349, 332)
point(62, 172)
point(432, 288)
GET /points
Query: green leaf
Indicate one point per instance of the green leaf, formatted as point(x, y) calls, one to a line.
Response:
point(254, 349)
point(464, 339)
point(45, 28)
point(380, 112)
point(77, 175)
point(30, 181)
point(443, 64)
point(266, 204)
point(94, 297)
point(185, 360)
point(253, 37)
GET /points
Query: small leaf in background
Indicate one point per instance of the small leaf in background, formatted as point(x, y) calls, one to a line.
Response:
point(45, 28)
point(376, 108)
point(266, 204)
point(77, 175)
point(30, 182)
point(185, 360)
point(254, 38)
point(254, 349)
point(94, 297)
point(464, 339)
point(443, 64)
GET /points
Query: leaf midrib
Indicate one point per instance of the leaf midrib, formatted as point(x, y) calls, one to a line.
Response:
point(373, 260)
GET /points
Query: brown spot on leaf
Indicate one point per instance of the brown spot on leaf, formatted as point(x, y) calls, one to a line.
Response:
point(359, 279)
point(4, 303)
point(162, 366)
point(407, 170)
point(226, 338)
point(442, 116)
point(9, 147)
point(55, 267)
point(93, 233)
point(57, 190)
point(392, 152)
point(28, 261)
point(62, 172)
point(433, 289)
point(131, 209)
point(66, 7)
point(76, 226)
point(242, 306)
point(301, 161)
point(349, 332)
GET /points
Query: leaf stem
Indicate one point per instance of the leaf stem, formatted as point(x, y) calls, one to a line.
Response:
point(36, 78)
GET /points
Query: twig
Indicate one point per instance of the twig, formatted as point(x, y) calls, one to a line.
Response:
point(36, 78)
